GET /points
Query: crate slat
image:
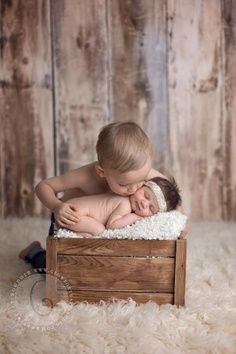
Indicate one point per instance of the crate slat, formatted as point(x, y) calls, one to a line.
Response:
point(102, 269)
point(118, 273)
point(180, 273)
point(51, 265)
point(97, 296)
point(114, 247)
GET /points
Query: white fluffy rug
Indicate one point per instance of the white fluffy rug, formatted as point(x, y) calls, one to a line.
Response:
point(206, 325)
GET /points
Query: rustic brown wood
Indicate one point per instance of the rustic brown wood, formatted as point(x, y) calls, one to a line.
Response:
point(81, 79)
point(118, 273)
point(180, 272)
point(51, 272)
point(195, 109)
point(93, 276)
point(2, 169)
point(138, 67)
point(229, 109)
point(109, 296)
point(116, 247)
point(113, 60)
point(26, 104)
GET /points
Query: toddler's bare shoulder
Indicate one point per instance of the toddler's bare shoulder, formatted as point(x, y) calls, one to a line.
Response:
point(83, 172)
point(154, 173)
point(90, 181)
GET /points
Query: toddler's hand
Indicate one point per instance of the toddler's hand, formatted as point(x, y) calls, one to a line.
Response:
point(184, 232)
point(66, 214)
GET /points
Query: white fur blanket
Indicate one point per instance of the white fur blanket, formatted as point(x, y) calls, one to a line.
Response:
point(161, 226)
point(206, 325)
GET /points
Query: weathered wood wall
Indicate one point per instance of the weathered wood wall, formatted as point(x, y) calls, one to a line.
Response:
point(70, 67)
point(26, 104)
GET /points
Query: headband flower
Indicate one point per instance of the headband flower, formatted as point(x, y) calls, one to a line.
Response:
point(159, 195)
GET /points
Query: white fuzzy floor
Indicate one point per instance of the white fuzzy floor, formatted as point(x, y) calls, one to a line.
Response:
point(206, 325)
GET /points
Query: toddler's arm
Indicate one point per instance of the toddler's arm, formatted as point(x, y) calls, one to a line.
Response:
point(154, 173)
point(47, 189)
point(185, 231)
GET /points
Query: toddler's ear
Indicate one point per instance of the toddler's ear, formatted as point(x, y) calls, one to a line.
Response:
point(99, 170)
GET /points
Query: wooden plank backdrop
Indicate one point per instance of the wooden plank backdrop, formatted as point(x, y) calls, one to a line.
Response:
point(229, 109)
point(26, 104)
point(70, 67)
point(139, 68)
point(195, 114)
point(81, 79)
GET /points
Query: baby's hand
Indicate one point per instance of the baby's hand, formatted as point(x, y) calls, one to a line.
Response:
point(86, 235)
point(66, 214)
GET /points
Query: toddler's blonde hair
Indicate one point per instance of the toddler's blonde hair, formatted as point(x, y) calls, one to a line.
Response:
point(123, 146)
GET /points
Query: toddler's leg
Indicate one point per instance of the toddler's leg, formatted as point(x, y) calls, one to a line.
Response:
point(35, 255)
point(52, 229)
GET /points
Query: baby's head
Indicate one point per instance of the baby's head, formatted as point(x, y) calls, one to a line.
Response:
point(124, 156)
point(157, 195)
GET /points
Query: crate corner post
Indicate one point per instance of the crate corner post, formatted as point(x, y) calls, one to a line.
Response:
point(51, 269)
point(180, 272)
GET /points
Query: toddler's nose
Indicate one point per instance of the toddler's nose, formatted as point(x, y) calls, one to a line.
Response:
point(132, 189)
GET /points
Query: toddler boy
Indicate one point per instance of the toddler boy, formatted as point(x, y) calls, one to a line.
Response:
point(124, 163)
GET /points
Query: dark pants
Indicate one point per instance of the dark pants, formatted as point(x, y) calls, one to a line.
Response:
point(39, 261)
point(38, 257)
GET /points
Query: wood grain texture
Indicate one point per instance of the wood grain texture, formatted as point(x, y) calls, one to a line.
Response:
point(229, 109)
point(110, 296)
point(195, 78)
point(138, 67)
point(103, 269)
point(51, 278)
point(81, 79)
point(26, 104)
point(118, 273)
point(180, 272)
point(70, 67)
point(115, 247)
point(2, 167)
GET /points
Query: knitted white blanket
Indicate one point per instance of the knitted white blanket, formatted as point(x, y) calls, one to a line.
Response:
point(161, 226)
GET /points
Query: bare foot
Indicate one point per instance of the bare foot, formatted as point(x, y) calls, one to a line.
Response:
point(26, 250)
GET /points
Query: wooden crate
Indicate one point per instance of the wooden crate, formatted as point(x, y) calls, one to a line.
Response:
point(102, 269)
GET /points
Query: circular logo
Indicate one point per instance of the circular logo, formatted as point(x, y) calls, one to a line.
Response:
point(30, 305)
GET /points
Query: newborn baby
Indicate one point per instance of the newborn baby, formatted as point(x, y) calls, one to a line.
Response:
point(111, 211)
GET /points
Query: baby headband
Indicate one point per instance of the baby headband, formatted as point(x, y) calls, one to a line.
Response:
point(159, 195)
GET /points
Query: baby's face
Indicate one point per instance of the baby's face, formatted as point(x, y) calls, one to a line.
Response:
point(143, 202)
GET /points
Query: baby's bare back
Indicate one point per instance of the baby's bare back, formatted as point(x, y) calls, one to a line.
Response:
point(98, 206)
